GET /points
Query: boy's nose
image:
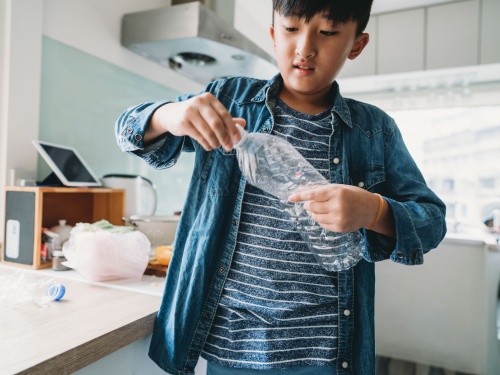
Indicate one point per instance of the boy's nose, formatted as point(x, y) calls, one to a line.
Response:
point(305, 49)
point(304, 53)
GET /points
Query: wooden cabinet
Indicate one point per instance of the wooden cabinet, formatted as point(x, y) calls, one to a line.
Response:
point(29, 209)
point(452, 35)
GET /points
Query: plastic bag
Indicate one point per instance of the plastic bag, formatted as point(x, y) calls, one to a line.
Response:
point(103, 252)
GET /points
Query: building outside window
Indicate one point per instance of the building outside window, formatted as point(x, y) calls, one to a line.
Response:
point(458, 151)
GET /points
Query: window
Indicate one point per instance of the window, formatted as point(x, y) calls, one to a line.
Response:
point(458, 152)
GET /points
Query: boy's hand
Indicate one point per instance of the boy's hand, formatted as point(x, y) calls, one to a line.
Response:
point(344, 208)
point(203, 118)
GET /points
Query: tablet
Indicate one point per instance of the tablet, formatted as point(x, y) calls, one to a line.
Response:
point(67, 164)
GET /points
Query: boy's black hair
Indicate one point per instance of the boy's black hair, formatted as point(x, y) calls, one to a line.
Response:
point(339, 11)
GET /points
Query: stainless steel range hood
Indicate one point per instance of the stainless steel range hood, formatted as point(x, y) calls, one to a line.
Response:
point(196, 42)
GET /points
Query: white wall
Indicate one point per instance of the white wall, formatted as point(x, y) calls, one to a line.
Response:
point(20, 90)
point(23, 50)
point(3, 26)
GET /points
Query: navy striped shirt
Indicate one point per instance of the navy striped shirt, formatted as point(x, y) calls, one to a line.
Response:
point(279, 307)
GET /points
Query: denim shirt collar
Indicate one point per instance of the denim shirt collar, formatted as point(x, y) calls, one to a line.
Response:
point(340, 108)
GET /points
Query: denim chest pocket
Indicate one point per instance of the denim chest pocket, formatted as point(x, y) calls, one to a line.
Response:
point(221, 175)
point(369, 178)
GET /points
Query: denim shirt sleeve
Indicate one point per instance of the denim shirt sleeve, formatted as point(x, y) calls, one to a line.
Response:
point(161, 152)
point(418, 213)
point(164, 151)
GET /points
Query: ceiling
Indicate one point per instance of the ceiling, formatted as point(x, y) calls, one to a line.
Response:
point(384, 6)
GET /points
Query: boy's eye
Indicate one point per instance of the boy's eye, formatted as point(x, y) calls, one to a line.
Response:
point(290, 29)
point(328, 33)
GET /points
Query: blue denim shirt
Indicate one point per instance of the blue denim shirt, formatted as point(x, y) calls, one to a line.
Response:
point(366, 150)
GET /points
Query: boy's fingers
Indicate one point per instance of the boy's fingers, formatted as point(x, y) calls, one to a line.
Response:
point(195, 134)
point(213, 126)
point(235, 135)
point(295, 197)
point(311, 194)
point(240, 121)
point(301, 197)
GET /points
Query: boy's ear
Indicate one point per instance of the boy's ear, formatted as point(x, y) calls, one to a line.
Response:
point(358, 46)
point(271, 32)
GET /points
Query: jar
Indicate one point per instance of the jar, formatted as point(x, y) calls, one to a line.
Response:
point(57, 260)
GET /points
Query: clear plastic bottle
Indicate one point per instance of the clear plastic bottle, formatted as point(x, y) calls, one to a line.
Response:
point(275, 166)
point(21, 286)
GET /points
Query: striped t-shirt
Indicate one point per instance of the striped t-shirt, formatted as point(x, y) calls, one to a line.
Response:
point(278, 307)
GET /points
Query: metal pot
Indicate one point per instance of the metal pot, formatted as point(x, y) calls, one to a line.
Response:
point(160, 230)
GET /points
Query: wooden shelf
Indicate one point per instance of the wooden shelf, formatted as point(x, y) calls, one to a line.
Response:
point(32, 208)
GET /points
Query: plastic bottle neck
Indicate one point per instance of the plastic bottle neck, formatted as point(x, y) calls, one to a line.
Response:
point(243, 134)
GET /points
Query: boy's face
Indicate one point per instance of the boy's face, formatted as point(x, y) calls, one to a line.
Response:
point(311, 55)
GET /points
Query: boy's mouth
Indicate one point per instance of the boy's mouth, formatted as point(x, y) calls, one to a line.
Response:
point(303, 67)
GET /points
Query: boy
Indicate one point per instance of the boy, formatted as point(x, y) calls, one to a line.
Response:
point(243, 290)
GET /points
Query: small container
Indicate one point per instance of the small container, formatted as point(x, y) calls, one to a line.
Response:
point(62, 230)
point(50, 242)
point(57, 260)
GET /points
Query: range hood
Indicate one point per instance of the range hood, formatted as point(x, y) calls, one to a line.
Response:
point(196, 42)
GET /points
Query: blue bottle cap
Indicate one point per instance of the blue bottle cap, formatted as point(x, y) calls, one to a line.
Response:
point(56, 292)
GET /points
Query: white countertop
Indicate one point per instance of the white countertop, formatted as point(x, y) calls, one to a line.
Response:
point(481, 238)
point(151, 285)
point(93, 320)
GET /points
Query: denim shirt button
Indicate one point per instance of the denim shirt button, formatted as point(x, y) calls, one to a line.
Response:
point(336, 160)
point(265, 130)
point(235, 222)
point(137, 137)
point(222, 269)
point(347, 312)
point(345, 364)
point(206, 316)
point(361, 184)
point(130, 130)
point(400, 254)
point(413, 255)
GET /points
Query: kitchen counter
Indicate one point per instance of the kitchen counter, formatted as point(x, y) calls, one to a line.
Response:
point(93, 320)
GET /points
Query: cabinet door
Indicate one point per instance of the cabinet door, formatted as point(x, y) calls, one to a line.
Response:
point(21, 235)
point(401, 38)
point(453, 35)
point(490, 32)
point(364, 64)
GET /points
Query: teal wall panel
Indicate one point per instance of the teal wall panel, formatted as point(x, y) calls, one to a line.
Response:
point(81, 98)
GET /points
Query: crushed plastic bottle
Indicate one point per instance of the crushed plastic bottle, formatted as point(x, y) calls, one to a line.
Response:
point(21, 287)
point(275, 166)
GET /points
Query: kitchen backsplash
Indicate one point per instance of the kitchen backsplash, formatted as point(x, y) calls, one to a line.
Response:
point(82, 96)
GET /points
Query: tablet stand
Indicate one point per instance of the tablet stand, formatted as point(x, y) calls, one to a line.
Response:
point(50, 180)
